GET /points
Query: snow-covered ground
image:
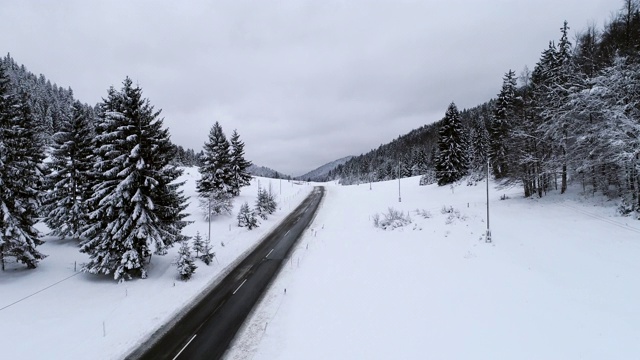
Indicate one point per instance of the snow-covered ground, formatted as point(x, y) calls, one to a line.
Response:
point(559, 280)
point(53, 312)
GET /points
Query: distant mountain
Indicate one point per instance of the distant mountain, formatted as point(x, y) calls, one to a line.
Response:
point(264, 171)
point(321, 173)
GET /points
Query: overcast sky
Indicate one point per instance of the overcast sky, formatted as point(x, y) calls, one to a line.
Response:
point(303, 82)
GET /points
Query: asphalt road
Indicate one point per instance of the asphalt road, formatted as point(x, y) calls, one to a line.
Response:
point(208, 328)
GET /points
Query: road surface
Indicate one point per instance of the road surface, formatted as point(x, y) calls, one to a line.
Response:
point(208, 328)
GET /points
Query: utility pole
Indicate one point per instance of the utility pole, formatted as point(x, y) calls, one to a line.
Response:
point(399, 197)
point(209, 236)
point(488, 239)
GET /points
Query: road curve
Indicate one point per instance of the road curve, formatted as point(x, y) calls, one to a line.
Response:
point(208, 328)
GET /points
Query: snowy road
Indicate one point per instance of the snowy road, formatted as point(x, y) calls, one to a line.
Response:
point(207, 329)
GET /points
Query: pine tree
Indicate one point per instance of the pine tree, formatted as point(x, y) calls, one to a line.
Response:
point(265, 203)
point(185, 263)
point(556, 126)
point(239, 175)
point(207, 255)
point(21, 178)
point(246, 217)
point(135, 201)
point(538, 145)
point(500, 131)
point(272, 205)
point(218, 202)
point(216, 167)
point(65, 204)
point(198, 244)
point(262, 204)
point(451, 163)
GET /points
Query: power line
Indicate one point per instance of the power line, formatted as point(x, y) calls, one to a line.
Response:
point(39, 291)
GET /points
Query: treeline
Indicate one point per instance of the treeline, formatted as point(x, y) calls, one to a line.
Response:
point(51, 104)
point(415, 152)
point(574, 118)
point(110, 182)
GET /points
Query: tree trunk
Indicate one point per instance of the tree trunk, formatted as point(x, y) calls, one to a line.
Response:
point(563, 184)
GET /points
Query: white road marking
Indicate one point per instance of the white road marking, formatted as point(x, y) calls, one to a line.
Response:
point(181, 350)
point(269, 253)
point(287, 233)
point(244, 281)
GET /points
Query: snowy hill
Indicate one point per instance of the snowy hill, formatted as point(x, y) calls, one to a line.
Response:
point(263, 171)
point(320, 174)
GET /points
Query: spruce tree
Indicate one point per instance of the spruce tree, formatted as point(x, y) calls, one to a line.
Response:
point(198, 244)
point(215, 185)
point(451, 162)
point(271, 201)
point(239, 175)
point(207, 255)
point(185, 263)
point(262, 204)
point(65, 206)
point(135, 202)
point(246, 217)
point(500, 131)
point(556, 124)
point(216, 164)
point(21, 178)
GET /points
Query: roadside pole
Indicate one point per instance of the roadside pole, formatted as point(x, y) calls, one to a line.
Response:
point(488, 239)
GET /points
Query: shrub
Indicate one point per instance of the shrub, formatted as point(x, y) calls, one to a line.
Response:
point(391, 220)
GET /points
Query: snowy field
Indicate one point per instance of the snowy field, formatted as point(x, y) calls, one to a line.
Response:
point(53, 312)
point(559, 280)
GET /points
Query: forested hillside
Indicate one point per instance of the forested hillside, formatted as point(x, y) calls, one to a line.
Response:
point(109, 183)
point(49, 103)
point(574, 118)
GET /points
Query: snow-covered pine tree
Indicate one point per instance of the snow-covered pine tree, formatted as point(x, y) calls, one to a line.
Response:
point(67, 181)
point(215, 185)
point(526, 147)
point(239, 175)
point(207, 255)
point(609, 143)
point(555, 124)
point(135, 202)
point(246, 217)
point(218, 202)
point(262, 204)
point(21, 178)
point(535, 147)
point(198, 244)
point(216, 167)
point(478, 125)
point(500, 131)
point(272, 205)
point(451, 162)
point(261, 201)
point(185, 262)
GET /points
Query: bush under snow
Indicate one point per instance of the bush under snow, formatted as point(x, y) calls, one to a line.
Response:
point(391, 220)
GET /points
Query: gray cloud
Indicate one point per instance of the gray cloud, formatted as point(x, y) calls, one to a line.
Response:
point(304, 82)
